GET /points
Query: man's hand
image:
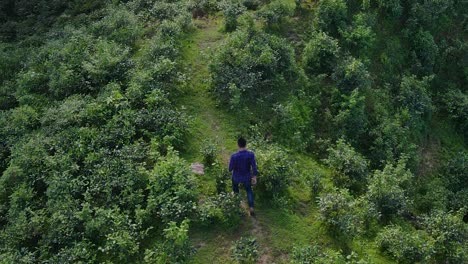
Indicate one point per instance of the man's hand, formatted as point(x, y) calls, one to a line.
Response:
point(254, 180)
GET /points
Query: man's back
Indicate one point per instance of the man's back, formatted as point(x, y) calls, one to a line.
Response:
point(243, 165)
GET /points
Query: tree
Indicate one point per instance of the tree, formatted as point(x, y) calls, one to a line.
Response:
point(350, 74)
point(351, 168)
point(331, 15)
point(253, 66)
point(406, 246)
point(320, 54)
point(387, 189)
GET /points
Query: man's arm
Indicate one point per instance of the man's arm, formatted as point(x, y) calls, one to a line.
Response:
point(230, 165)
point(254, 166)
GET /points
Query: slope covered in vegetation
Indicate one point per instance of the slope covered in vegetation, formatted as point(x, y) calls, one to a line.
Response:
point(356, 110)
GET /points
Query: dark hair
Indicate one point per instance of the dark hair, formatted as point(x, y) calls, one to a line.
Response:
point(241, 142)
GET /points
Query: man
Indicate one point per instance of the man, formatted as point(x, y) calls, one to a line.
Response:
point(244, 170)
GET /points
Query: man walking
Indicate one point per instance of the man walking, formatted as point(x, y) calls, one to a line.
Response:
point(244, 170)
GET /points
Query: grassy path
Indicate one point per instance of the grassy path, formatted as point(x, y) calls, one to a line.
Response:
point(212, 123)
point(209, 122)
point(276, 230)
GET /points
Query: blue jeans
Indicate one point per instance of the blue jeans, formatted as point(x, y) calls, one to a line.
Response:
point(248, 189)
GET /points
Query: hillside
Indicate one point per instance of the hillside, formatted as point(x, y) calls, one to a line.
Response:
point(356, 111)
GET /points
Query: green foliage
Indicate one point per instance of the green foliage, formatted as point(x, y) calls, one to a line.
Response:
point(252, 67)
point(222, 209)
point(292, 123)
point(424, 52)
point(245, 250)
point(414, 96)
point(315, 254)
point(351, 74)
point(176, 247)
point(351, 119)
point(351, 168)
point(453, 173)
point(172, 189)
point(320, 54)
point(275, 170)
point(277, 12)
point(337, 212)
point(406, 246)
point(456, 104)
point(331, 15)
point(450, 234)
point(392, 7)
point(209, 151)
point(232, 10)
point(359, 36)
point(203, 8)
point(315, 183)
point(387, 189)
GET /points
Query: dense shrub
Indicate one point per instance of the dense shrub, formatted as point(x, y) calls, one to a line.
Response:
point(245, 250)
point(172, 189)
point(277, 12)
point(450, 234)
point(392, 7)
point(175, 247)
point(351, 168)
point(315, 255)
point(424, 52)
point(232, 10)
point(387, 189)
point(337, 212)
point(292, 123)
point(406, 246)
point(223, 209)
point(252, 67)
point(275, 169)
point(203, 8)
point(456, 104)
point(414, 96)
point(320, 54)
point(331, 15)
point(209, 151)
point(359, 36)
point(351, 74)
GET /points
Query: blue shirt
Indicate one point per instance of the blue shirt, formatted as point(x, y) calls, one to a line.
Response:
point(243, 166)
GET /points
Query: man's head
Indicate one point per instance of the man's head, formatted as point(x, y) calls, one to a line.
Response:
point(241, 143)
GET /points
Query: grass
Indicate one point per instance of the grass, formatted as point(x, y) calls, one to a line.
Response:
point(207, 121)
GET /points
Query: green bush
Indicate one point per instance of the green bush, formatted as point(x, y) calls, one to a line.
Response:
point(277, 12)
point(337, 212)
point(406, 246)
point(275, 170)
point(251, 68)
point(351, 168)
point(203, 8)
point(450, 234)
point(351, 74)
point(331, 15)
point(387, 189)
point(224, 209)
point(209, 150)
point(232, 10)
point(316, 255)
point(245, 250)
point(172, 189)
point(359, 36)
point(320, 54)
point(175, 247)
